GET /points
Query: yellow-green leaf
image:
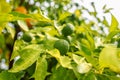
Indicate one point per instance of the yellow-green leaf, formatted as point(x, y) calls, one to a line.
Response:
point(4, 7)
point(91, 40)
point(63, 16)
point(55, 53)
point(17, 47)
point(41, 69)
point(23, 25)
point(111, 35)
point(65, 61)
point(105, 22)
point(114, 24)
point(76, 58)
point(109, 58)
point(28, 56)
point(40, 17)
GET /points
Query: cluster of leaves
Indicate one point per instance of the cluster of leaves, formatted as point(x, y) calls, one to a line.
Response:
point(62, 46)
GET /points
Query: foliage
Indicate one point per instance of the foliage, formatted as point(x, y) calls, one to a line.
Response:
point(43, 40)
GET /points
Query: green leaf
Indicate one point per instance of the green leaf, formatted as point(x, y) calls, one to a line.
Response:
point(111, 35)
point(28, 56)
point(91, 41)
point(104, 7)
point(109, 58)
point(114, 78)
point(2, 41)
point(44, 24)
point(40, 17)
point(41, 69)
point(85, 43)
point(62, 74)
point(77, 74)
point(89, 76)
point(85, 46)
point(105, 22)
point(19, 16)
point(19, 75)
point(108, 10)
point(41, 20)
point(103, 77)
point(63, 16)
point(5, 75)
point(31, 70)
point(114, 24)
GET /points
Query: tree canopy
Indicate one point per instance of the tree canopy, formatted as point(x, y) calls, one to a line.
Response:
point(45, 40)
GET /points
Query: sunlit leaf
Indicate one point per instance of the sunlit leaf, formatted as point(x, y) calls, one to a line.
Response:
point(4, 19)
point(23, 25)
point(55, 53)
point(12, 16)
point(52, 31)
point(80, 29)
point(114, 24)
point(109, 58)
point(28, 56)
point(41, 69)
point(89, 59)
point(83, 66)
point(77, 13)
point(76, 58)
point(65, 61)
point(40, 17)
point(11, 30)
point(18, 45)
point(63, 16)
point(65, 2)
point(91, 40)
point(5, 7)
point(19, 16)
